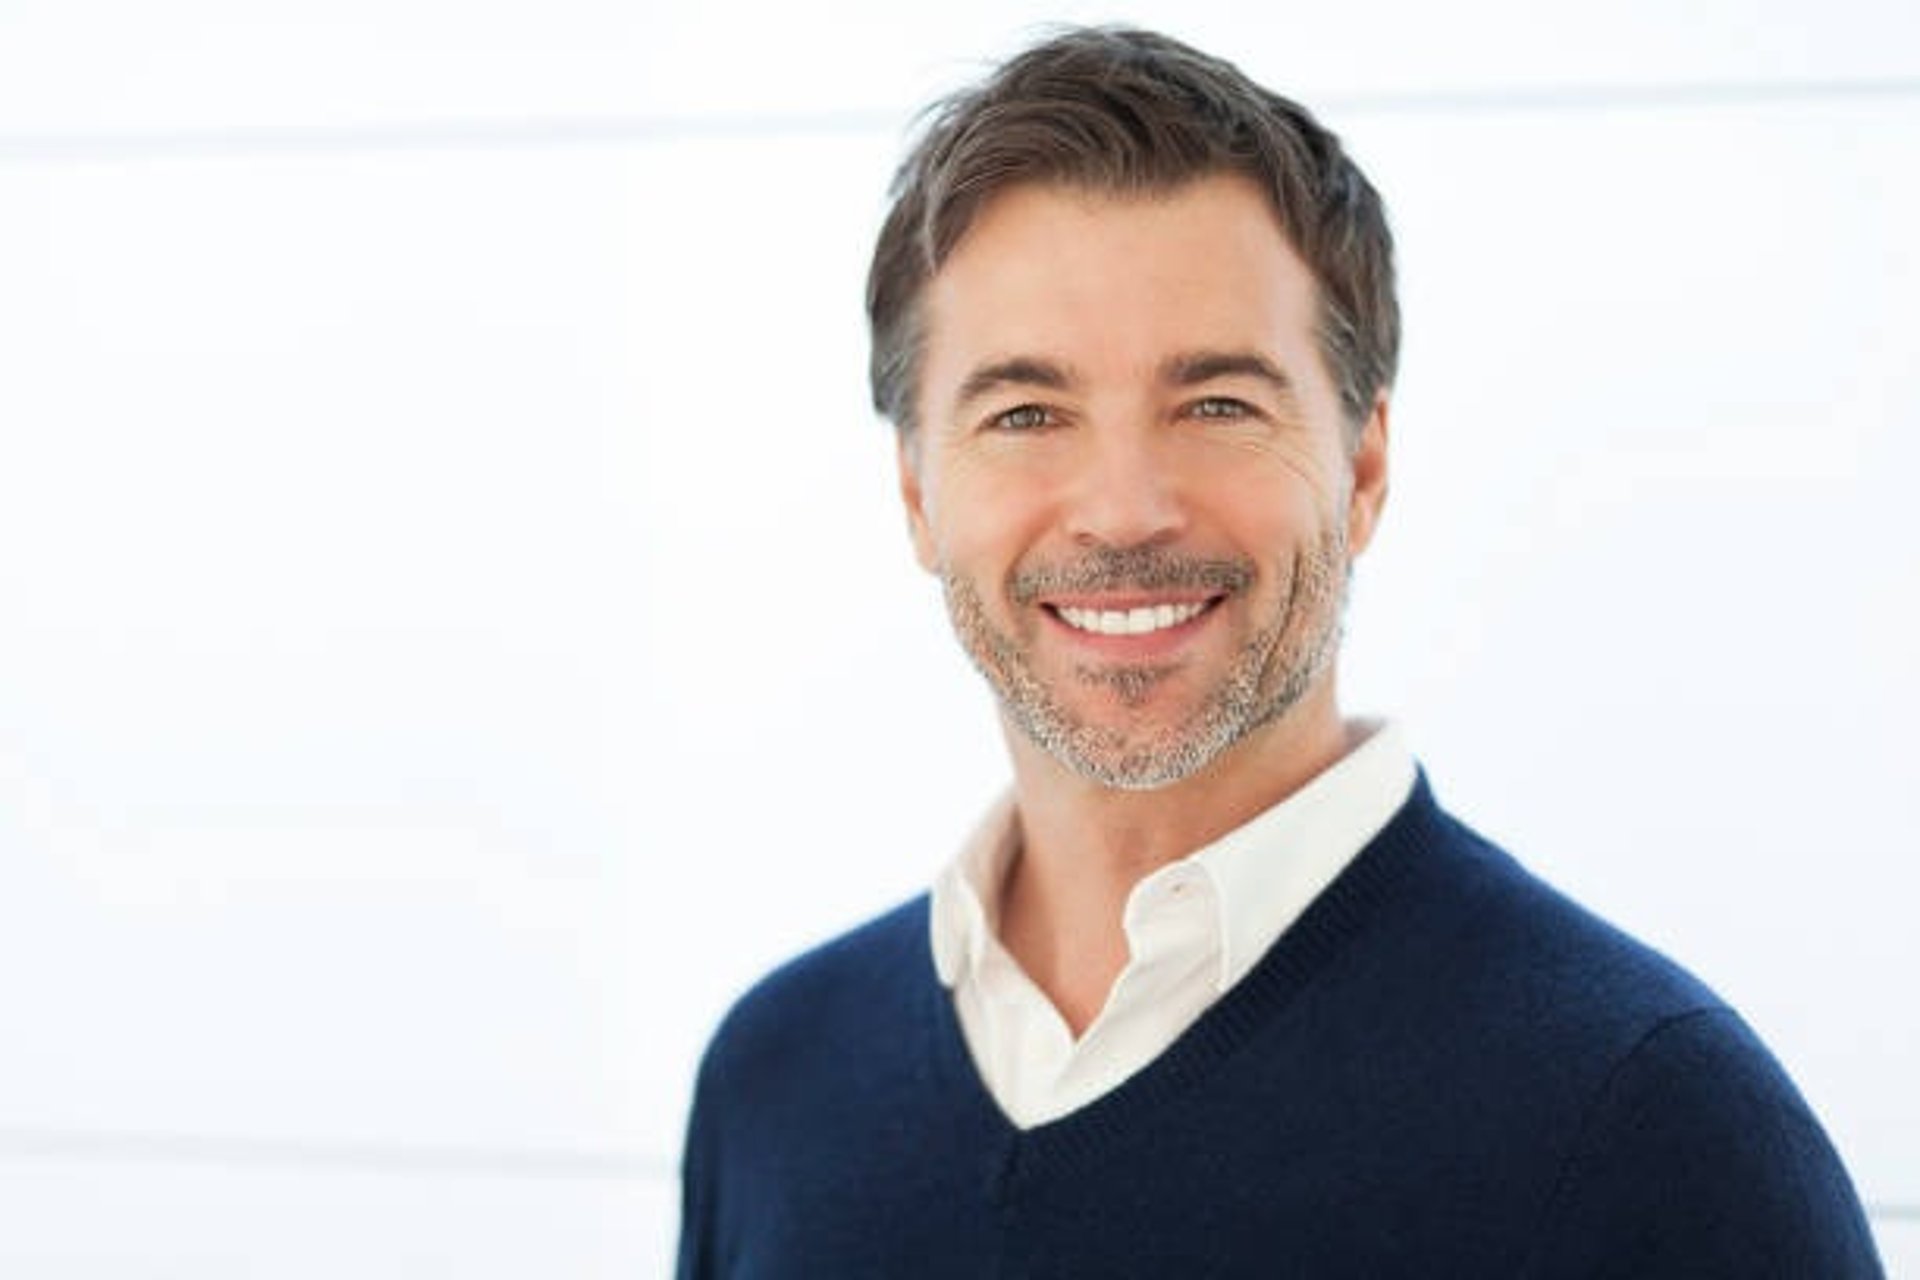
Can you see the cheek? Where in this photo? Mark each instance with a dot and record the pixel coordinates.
(985, 520)
(1276, 513)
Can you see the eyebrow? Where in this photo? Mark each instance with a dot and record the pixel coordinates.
(1017, 371)
(1192, 368)
(1186, 369)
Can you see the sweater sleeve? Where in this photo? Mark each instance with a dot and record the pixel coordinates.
(1699, 1159)
(696, 1260)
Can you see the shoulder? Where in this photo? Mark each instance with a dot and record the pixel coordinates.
(1500, 941)
(1698, 1157)
(790, 1073)
(1435, 936)
(804, 1054)
(869, 975)
(1680, 1142)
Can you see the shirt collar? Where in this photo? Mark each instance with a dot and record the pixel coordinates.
(1264, 873)
(962, 922)
(1267, 871)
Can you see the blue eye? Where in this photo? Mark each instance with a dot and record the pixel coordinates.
(1026, 417)
(1220, 407)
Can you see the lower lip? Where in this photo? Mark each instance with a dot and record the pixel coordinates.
(1160, 643)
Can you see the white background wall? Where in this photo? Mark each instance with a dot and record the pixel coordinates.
(455, 628)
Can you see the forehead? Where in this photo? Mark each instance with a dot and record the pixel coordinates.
(1116, 282)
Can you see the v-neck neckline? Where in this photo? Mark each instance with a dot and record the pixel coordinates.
(1343, 910)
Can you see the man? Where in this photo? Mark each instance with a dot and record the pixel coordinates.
(1219, 990)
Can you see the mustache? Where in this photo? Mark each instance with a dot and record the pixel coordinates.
(1130, 569)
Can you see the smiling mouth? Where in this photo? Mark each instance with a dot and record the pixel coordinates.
(1138, 621)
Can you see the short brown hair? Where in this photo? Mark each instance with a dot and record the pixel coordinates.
(1117, 109)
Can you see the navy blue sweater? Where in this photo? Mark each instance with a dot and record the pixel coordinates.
(1442, 1069)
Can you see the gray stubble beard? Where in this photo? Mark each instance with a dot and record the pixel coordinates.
(1273, 671)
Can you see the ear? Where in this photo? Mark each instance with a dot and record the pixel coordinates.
(1369, 464)
(913, 498)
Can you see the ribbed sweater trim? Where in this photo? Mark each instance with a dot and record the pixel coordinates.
(1341, 912)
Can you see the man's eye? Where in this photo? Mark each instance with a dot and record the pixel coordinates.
(1026, 417)
(1220, 407)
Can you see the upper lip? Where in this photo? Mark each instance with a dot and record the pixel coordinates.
(1120, 602)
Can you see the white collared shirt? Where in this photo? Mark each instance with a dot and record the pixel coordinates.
(1194, 928)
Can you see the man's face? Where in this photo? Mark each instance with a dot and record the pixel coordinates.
(1132, 474)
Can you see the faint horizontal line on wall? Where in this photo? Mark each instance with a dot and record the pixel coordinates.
(315, 1154)
(1601, 97)
(449, 135)
(617, 131)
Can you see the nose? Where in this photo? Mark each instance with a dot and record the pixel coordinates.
(1126, 492)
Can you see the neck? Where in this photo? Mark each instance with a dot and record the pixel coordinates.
(1084, 846)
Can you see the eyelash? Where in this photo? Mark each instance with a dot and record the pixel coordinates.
(1032, 417)
(1220, 407)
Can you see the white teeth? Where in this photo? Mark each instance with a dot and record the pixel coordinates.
(1129, 622)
